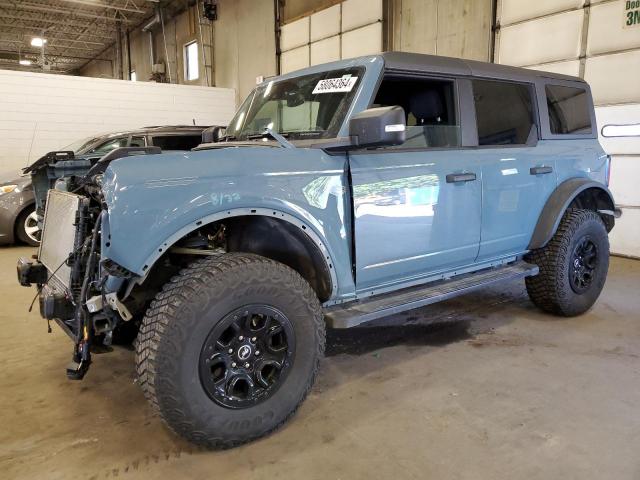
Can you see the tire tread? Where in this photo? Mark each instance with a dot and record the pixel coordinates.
(165, 311)
(547, 290)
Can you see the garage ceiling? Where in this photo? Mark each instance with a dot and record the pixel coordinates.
(76, 30)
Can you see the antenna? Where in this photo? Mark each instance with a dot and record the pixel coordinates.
(33, 137)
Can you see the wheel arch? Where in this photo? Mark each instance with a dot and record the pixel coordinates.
(578, 193)
(273, 234)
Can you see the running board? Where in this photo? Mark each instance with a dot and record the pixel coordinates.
(372, 308)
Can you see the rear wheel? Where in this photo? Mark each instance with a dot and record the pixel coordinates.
(573, 265)
(27, 229)
(230, 348)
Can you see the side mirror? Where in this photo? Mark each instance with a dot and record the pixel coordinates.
(378, 127)
(213, 134)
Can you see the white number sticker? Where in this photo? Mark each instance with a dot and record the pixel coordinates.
(335, 85)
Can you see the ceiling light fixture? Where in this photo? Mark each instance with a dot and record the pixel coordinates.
(38, 42)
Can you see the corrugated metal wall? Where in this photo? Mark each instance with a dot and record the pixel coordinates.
(453, 28)
(590, 39)
(42, 112)
(349, 29)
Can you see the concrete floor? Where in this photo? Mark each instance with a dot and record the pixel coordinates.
(480, 387)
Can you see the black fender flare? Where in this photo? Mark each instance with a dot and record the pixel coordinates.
(558, 202)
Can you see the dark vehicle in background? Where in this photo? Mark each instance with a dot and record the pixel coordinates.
(18, 218)
(177, 137)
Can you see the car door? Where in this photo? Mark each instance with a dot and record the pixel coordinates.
(416, 206)
(517, 175)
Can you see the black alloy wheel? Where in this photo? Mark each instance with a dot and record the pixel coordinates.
(584, 262)
(247, 356)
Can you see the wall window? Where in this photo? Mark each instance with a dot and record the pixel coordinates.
(191, 61)
(504, 113)
(429, 106)
(133, 76)
(630, 130)
(569, 110)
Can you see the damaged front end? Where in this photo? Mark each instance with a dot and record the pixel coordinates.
(68, 274)
(77, 288)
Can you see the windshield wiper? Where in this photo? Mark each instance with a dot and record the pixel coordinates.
(278, 137)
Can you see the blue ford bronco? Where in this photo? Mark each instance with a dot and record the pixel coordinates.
(337, 195)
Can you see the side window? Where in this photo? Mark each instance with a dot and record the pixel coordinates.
(137, 142)
(430, 109)
(109, 145)
(504, 113)
(569, 110)
(177, 142)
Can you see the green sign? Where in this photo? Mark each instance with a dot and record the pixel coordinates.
(631, 13)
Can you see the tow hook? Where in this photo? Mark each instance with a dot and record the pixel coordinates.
(77, 369)
(81, 360)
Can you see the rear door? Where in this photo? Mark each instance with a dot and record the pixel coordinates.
(416, 206)
(517, 174)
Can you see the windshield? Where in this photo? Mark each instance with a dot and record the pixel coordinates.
(309, 106)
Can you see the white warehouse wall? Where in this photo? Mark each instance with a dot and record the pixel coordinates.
(41, 112)
(590, 39)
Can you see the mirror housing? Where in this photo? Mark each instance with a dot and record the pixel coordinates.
(213, 134)
(378, 127)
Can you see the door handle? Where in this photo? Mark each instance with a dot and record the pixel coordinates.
(460, 177)
(540, 170)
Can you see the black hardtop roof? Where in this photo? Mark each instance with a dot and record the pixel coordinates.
(418, 62)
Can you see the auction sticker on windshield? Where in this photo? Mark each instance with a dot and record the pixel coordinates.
(335, 85)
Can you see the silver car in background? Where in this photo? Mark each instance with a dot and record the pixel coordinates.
(18, 221)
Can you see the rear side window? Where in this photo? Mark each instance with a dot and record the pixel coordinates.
(137, 142)
(109, 145)
(504, 113)
(177, 142)
(569, 110)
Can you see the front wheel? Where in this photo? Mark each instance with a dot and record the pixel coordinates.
(230, 348)
(27, 229)
(573, 265)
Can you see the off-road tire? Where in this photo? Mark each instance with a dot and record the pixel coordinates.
(551, 289)
(173, 333)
